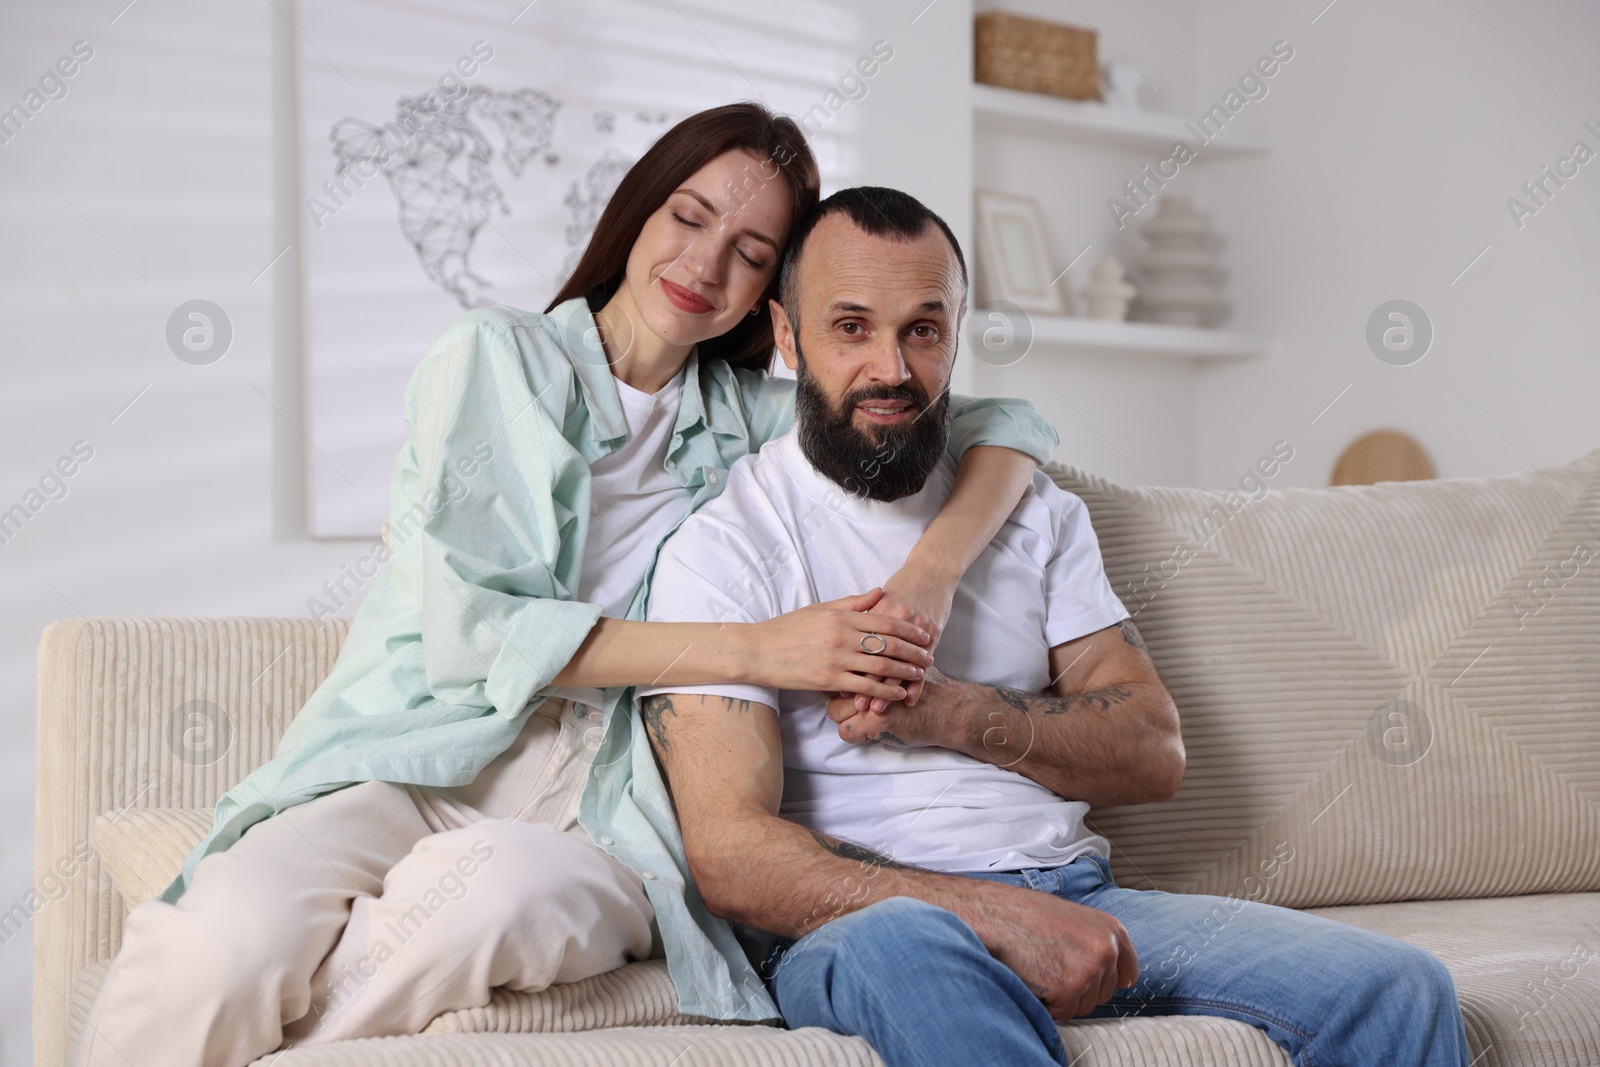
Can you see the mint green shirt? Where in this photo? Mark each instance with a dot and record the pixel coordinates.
(489, 509)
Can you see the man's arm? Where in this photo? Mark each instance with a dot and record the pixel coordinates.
(1106, 732)
(724, 765)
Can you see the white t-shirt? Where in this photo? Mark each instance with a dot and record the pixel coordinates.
(782, 536)
(633, 501)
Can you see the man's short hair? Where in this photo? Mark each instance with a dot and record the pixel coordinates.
(875, 210)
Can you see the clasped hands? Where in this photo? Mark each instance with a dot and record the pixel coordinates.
(923, 599)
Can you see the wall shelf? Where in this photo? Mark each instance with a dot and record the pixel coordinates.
(1036, 114)
(1064, 332)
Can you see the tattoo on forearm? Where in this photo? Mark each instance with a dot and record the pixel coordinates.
(849, 850)
(1093, 700)
(1131, 634)
(1016, 698)
(655, 710)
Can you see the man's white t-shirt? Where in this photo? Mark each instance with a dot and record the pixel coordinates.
(782, 536)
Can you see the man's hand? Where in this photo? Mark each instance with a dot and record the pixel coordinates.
(1106, 733)
(724, 764)
(936, 719)
(1074, 958)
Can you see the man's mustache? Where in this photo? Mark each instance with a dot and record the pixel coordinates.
(886, 392)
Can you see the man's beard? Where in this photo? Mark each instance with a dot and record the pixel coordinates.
(897, 464)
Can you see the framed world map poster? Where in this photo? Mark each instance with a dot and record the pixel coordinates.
(456, 155)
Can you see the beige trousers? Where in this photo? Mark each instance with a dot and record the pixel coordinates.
(369, 911)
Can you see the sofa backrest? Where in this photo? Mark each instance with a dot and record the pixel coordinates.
(1388, 692)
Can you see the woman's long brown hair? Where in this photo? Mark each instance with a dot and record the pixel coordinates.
(681, 151)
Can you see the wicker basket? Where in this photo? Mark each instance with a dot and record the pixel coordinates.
(1040, 57)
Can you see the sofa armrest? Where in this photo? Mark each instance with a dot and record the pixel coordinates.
(147, 713)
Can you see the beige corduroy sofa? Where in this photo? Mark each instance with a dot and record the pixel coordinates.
(1390, 699)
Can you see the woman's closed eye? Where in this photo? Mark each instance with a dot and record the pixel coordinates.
(753, 262)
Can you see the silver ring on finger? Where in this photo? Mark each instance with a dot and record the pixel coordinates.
(882, 644)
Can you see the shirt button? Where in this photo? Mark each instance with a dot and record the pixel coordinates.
(711, 476)
(597, 772)
(605, 840)
(648, 874)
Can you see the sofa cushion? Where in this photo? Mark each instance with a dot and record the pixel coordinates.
(540, 1030)
(636, 994)
(1189, 1042)
(692, 1046)
(143, 848)
(1527, 970)
(1396, 685)
(80, 999)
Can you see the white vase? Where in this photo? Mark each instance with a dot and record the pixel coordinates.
(1119, 84)
(1108, 293)
(1180, 274)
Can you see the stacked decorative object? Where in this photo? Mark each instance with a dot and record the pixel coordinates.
(1181, 274)
(1108, 293)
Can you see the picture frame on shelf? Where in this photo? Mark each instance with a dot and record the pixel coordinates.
(1014, 262)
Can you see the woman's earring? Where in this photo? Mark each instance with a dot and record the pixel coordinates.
(756, 310)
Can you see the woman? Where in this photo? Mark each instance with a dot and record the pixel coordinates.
(423, 844)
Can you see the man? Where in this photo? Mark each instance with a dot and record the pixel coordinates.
(924, 876)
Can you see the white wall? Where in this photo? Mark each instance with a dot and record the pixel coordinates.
(161, 152)
(929, 78)
(1399, 132)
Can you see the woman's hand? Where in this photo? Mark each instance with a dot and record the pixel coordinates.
(819, 647)
(922, 597)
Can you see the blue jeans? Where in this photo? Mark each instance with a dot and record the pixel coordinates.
(915, 981)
